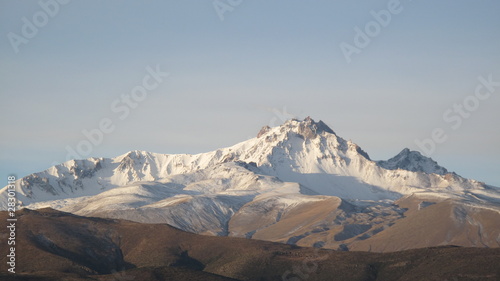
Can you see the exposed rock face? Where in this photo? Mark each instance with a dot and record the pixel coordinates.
(309, 128)
(264, 130)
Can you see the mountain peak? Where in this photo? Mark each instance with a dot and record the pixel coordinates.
(320, 126)
(308, 128)
(406, 151)
(413, 161)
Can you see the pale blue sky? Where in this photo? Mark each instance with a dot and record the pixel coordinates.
(228, 77)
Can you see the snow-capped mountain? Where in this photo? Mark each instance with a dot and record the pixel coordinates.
(413, 161)
(296, 183)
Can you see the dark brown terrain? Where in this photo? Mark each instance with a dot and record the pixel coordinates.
(52, 245)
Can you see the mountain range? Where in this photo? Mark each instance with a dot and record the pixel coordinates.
(298, 183)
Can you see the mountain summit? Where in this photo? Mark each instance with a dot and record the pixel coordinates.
(413, 161)
(309, 129)
(298, 183)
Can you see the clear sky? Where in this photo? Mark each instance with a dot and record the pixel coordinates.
(237, 65)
